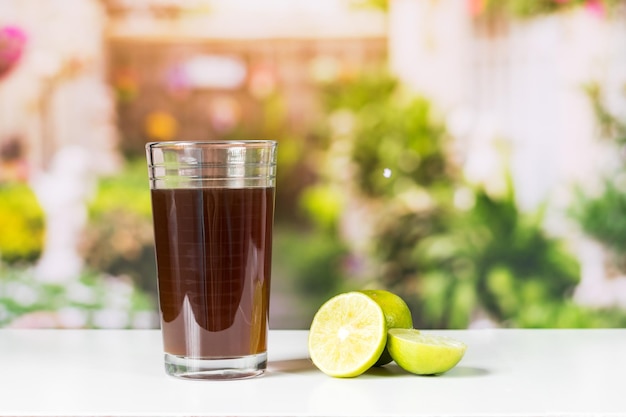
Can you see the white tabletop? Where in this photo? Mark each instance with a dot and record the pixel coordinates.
(504, 373)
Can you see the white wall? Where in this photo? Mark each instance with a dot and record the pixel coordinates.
(57, 95)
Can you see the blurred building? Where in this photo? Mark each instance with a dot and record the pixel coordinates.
(199, 70)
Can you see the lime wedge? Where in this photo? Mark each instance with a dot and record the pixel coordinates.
(397, 315)
(348, 335)
(424, 354)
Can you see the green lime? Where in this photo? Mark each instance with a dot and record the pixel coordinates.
(397, 315)
(424, 354)
(348, 335)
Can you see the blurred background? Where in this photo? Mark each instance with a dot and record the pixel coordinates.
(469, 155)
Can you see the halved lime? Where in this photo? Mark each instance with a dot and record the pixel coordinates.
(424, 354)
(348, 335)
(397, 315)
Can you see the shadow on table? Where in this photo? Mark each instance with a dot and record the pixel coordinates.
(392, 370)
(291, 366)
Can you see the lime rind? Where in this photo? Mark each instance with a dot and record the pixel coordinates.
(397, 312)
(348, 334)
(397, 315)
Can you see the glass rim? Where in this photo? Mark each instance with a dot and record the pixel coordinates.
(216, 143)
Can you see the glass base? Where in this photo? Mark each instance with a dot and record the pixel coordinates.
(216, 369)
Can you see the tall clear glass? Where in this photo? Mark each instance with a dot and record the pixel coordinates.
(213, 213)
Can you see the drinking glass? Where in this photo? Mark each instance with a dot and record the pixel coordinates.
(213, 213)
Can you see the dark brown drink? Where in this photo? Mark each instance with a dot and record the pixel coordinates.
(213, 249)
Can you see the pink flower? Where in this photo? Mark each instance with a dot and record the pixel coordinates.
(595, 7)
(12, 42)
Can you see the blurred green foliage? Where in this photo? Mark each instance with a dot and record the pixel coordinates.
(525, 8)
(612, 128)
(535, 8)
(401, 138)
(119, 237)
(602, 215)
(126, 190)
(495, 258)
(308, 264)
(323, 205)
(515, 8)
(21, 224)
(452, 263)
(92, 301)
